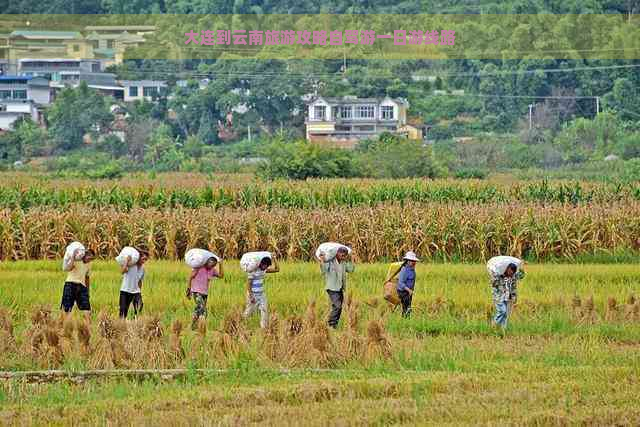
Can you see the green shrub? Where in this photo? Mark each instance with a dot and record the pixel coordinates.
(394, 157)
(471, 173)
(629, 146)
(302, 160)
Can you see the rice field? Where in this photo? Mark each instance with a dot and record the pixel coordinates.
(569, 356)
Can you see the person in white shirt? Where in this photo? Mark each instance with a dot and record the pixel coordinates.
(131, 289)
(256, 298)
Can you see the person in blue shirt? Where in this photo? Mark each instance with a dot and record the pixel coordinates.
(407, 282)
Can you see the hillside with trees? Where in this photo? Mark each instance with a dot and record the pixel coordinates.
(483, 115)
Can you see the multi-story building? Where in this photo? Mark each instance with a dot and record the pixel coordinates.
(51, 67)
(111, 41)
(21, 88)
(4, 53)
(104, 83)
(137, 90)
(12, 110)
(102, 45)
(348, 120)
(45, 45)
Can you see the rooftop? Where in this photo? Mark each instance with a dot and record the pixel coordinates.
(142, 83)
(62, 35)
(355, 100)
(120, 28)
(124, 36)
(5, 77)
(51, 60)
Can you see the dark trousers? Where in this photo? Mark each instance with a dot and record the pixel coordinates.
(75, 293)
(405, 299)
(336, 298)
(126, 299)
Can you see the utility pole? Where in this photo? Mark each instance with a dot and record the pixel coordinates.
(597, 105)
(344, 63)
(530, 116)
(249, 132)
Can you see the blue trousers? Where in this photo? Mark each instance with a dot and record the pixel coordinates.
(503, 310)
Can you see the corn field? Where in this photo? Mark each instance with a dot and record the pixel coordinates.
(313, 194)
(436, 231)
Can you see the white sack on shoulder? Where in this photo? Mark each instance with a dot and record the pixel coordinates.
(196, 258)
(251, 260)
(496, 266)
(330, 249)
(68, 259)
(128, 251)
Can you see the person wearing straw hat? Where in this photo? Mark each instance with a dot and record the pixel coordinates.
(407, 282)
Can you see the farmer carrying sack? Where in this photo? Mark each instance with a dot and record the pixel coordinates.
(497, 265)
(76, 248)
(251, 260)
(130, 252)
(196, 258)
(329, 250)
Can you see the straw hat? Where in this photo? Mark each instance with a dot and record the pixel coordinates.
(411, 256)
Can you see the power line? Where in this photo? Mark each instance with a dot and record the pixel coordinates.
(479, 95)
(628, 112)
(543, 70)
(260, 48)
(332, 75)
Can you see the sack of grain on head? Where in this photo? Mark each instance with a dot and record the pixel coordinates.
(496, 266)
(251, 260)
(128, 251)
(329, 250)
(76, 248)
(196, 258)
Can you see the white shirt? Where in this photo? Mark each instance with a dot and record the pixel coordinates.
(257, 280)
(131, 279)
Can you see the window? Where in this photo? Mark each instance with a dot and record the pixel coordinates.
(14, 81)
(387, 112)
(320, 112)
(95, 68)
(365, 128)
(346, 112)
(95, 44)
(76, 48)
(5, 94)
(150, 91)
(364, 112)
(334, 112)
(19, 94)
(109, 44)
(133, 91)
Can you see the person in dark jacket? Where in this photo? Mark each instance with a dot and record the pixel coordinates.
(407, 282)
